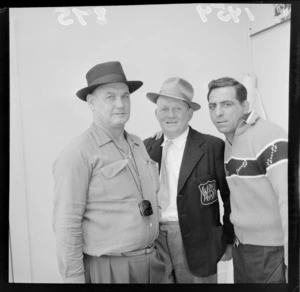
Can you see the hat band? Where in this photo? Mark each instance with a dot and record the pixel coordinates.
(110, 78)
(177, 95)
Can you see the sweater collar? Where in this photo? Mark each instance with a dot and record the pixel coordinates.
(249, 120)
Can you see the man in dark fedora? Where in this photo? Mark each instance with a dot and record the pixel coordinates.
(191, 239)
(105, 214)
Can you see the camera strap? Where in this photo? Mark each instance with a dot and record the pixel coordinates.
(131, 165)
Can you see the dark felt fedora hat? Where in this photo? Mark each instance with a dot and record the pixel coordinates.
(109, 72)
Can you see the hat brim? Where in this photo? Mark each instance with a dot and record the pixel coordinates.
(132, 86)
(153, 96)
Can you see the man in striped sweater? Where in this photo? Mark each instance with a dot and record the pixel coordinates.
(256, 172)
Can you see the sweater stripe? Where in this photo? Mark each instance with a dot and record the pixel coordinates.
(271, 155)
(270, 144)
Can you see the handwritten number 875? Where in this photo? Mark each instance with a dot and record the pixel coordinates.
(65, 12)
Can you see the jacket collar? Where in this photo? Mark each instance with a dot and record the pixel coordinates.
(193, 152)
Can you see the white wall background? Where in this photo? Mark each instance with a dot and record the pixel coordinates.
(270, 64)
(153, 42)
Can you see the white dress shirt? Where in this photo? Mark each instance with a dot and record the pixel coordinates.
(174, 158)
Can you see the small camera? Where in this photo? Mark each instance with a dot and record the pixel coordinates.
(145, 208)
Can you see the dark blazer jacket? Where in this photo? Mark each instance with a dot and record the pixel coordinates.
(201, 175)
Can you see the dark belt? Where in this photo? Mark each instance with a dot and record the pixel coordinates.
(147, 250)
(174, 223)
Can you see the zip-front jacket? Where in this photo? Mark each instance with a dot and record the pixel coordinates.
(257, 173)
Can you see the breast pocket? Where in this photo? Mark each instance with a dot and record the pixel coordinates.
(207, 187)
(112, 169)
(111, 182)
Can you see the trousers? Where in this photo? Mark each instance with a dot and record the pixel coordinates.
(258, 264)
(171, 251)
(143, 269)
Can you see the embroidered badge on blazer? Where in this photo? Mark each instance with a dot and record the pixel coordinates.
(208, 192)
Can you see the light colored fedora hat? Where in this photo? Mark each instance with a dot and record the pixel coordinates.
(109, 72)
(178, 88)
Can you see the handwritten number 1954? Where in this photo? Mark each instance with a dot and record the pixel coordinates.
(64, 17)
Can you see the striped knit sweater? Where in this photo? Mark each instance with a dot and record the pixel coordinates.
(256, 172)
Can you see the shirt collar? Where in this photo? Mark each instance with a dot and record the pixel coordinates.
(102, 136)
(132, 138)
(179, 141)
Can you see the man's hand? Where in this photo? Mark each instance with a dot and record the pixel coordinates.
(157, 135)
(227, 256)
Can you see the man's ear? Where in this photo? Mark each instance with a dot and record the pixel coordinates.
(246, 106)
(90, 101)
(191, 112)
